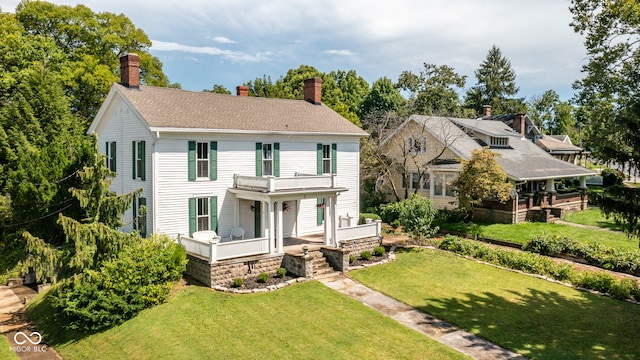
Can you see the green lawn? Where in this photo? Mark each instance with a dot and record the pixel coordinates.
(523, 232)
(537, 318)
(5, 349)
(592, 217)
(302, 321)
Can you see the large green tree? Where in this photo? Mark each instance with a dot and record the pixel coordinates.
(550, 114)
(496, 86)
(481, 178)
(609, 94)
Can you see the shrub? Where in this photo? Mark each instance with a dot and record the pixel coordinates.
(281, 272)
(352, 259)
(263, 277)
(141, 275)
(624, 289)
(365, 255)
(415, 215)
(379, 251)
(611, 177)
(238, 282)
(364, 216)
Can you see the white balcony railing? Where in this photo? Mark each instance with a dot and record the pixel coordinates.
(213, 250)
(270, 184)
(371, 229)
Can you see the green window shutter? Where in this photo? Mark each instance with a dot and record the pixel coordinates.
(319, 158)
(191, 157)
(213, 160)
(106, 152)
(258, 159)
(134, 214)
(113, 156)
(320, 212)
(213, 213)
(193, 225)
(143, 168)
(257, 232)
(334, 156)
(143, 221)
(133, 159)
(276, 159)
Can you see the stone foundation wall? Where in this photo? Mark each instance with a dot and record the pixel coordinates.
(337, 258)
(357, 246)
(225, 271)
(298, 265)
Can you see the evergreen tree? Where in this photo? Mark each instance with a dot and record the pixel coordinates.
(496, 86)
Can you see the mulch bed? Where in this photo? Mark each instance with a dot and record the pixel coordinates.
(252, 283)
(374, 260)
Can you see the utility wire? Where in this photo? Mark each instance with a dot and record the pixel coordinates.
(42, 184)
(40, 218)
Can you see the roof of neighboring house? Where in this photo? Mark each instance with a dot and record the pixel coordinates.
(524, 160)
(507, 119)
(557, 144)
(174, 109)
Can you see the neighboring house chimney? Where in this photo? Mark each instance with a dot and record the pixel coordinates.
(130, 71)
(242, 90)
(313, 90)
(519, 123)
(486, 109)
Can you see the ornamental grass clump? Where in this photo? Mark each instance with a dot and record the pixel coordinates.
(263, 277)
(379, 251)
(365, 255)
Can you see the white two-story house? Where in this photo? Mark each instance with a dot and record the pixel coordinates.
(234, 168)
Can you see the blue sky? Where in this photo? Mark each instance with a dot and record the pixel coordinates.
(207, 42)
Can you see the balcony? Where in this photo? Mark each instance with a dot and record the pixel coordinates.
(274, 184)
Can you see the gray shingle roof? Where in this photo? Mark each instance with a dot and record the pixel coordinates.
(180, 109)
(523, 161)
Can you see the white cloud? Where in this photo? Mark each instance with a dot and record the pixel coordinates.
(340, 52)
(208, 50)
(223, 40)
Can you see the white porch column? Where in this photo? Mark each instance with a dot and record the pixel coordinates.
(550, 186)
(583, 182)
(334, 220)
(236, 215)
(327, 221)
(271, 222)
(279, 239)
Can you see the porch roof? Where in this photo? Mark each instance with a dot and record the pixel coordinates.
(288, 194)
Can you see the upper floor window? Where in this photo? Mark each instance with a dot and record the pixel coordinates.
(202, 160)
(326, 159)
(417, 145)
(110, 153)
(267, 159)
(499, 141)
(138, 152)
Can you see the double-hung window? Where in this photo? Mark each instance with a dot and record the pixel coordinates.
(267, 159)
(326, 159)
(417, 145)
(202, 215)
(110, 153)
(138, 154)
(202, 159)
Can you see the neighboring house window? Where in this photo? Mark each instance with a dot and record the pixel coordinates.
(203, 214)
(499, 141)
(268, 159)
(425, 184)
(138, 152)
(203, 160)
(140, 215)
(416, 181)
(443, 185)
(449, 189)
(110, 152)
(414, 178)
(417, 145)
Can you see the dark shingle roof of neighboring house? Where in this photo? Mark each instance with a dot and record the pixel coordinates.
(167, 108)
(524, 160)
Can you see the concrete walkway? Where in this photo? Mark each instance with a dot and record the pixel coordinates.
(15, 326)
(439, 330)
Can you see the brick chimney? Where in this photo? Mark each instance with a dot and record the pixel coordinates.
(130, 71)
(486, 110)
(519, 123)
(313, 90)
(242, 90)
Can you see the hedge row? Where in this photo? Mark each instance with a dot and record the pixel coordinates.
(541, 265)
(623, 260)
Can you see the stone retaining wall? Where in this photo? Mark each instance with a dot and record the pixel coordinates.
(225, 271)
(337, 258)
(357, 246)
(298, 265)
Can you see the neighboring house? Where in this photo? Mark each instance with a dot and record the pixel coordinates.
(434, 147)
(231, 176)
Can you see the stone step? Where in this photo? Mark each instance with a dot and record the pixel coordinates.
(326, 275)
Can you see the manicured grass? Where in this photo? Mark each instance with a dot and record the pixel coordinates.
(535, 317)
(523, 232)
(592, 217)
(5, 350)
(302, 321)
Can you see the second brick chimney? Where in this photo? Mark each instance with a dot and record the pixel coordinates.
(242, 90)
(130, 71)
(313, 90)
(519, 123)
(486, 110)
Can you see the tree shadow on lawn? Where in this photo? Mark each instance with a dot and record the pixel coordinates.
(547, 325)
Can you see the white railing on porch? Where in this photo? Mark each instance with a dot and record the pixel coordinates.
(213, 250)
(284, 183)
(371, 229)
